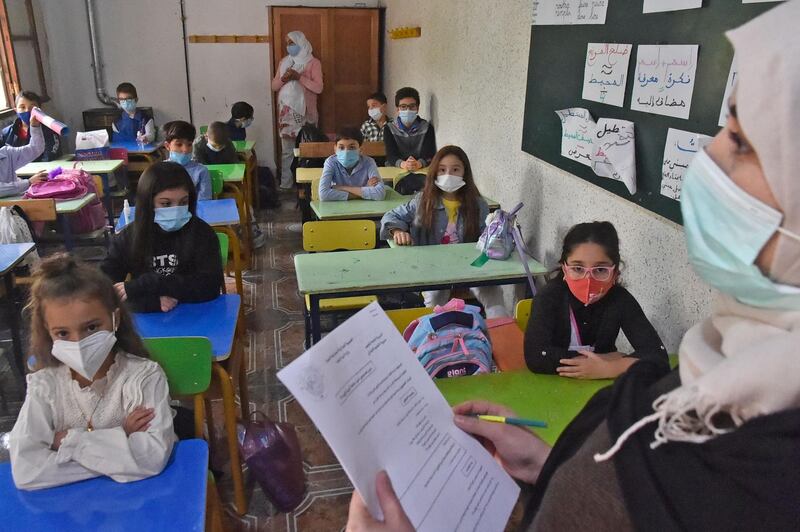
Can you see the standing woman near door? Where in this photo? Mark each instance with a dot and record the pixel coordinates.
(297, 81)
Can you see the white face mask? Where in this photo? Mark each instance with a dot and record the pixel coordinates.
(87, 355)
(449, 182)
(375, 113)
(215, 148)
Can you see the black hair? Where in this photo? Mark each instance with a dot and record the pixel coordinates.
(377, 96)
(178, 129)
(29, 95)
(601, 233)
(220, 132)
(350, 132)
(242, 110)
(127, 88)
(406, 92)
(156, 178)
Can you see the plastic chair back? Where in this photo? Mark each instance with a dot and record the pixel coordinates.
(216, 182)
(315, 188)
(336, 235)
(98, 185)
(401, 317)
(224, 243)
(203, 130)
(185, 360)
(522, 312)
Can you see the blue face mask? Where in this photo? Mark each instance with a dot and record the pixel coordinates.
(293, 49)
(181, 158)
(408, 116)
(129, 106)
(726, 228)
(172, 218)
(348, 158)
(25, 117)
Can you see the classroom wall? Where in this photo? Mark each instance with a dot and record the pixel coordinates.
(471, 70)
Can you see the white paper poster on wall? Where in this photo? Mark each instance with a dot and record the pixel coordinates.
(566, 12)
(577, 134)
(679, 150)
(657, 6)
(724, 110)
(605, 73)
(759, 1)
(664, 80)
(614, 155)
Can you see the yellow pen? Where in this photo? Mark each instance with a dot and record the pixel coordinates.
(512, 420)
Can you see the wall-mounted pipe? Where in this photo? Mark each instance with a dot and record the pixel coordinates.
(97, 64)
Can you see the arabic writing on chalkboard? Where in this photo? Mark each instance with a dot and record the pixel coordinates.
(563, 12)
(607, 147)
(679, 150)
(664, 79)
(605, 73)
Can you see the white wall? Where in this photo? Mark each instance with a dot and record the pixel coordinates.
(470, 65)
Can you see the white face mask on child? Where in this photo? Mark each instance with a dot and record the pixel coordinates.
(87, 355)
(449, 182)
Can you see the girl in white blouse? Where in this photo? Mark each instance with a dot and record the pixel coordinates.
(97, 405)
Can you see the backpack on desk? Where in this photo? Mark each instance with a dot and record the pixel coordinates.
(451, 342)
(68, 184)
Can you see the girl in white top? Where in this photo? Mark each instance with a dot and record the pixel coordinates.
(97, 405)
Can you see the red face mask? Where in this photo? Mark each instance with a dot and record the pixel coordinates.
(588, 290)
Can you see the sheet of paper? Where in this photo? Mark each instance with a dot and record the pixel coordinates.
(565, 12)
(759, 1)
(664, 80)
(605, 73)
(577, 134)
(679, 150)
(724, 110)
(614, 155)
(656, 6)
(378, 409)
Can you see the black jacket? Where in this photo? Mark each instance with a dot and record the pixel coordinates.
(547, 337)
(52, 142)
(186, 265)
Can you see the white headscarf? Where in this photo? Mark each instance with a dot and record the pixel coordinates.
(292, 94)
(745, 361)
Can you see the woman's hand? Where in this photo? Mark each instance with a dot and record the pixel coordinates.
(138, 420)
(394, 517)
(57, 439)
(120, 289)
(402, 238)
(168, 303)
(518, 450)
(39, 177)
(594, 366)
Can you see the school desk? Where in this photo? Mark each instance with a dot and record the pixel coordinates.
(134, 148)
(387, 173)
(244, 146)
(244, 149)
(400, 269)
(102, 168)
(10, 256)
(216, 213)
(63, 209)
(550, 398)
(216, 320)
(173, 500)
(233, 175)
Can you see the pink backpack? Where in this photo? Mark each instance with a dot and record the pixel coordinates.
(69, 184)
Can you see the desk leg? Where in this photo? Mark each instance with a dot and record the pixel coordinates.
(316, 329)
(16, 341)
(107, 199)
(229, 406)
(66, 230)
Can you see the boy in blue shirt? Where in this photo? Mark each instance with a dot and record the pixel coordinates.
(348, 174)
(132, 125)
(178, 139)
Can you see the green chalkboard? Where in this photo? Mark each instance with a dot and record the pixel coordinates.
(555, 81)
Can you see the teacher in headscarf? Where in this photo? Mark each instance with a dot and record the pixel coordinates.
(714, 445)
(298, 81)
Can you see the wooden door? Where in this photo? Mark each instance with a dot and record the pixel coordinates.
(346, 41)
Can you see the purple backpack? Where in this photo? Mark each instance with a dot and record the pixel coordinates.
(499, 239)
(71, 183)
(451, 342)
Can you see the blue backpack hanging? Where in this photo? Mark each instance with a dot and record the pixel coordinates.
(451, 342)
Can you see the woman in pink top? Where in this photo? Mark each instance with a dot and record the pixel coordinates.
(298, 81)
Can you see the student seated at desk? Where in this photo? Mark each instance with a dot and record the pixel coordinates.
(172, 255)
(132, 125)
(449, 210)
(96, 405)
(410, 140)
(178, 139)
(577, 317)
(12, 159)
(348, 174)
(215, 147)
(372, 128)
(18, 133)
(241, 118)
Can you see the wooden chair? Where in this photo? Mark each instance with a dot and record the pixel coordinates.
(522, 313)
(337, 235)
(316, 150)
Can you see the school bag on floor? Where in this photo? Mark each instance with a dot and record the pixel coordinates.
(451, 342)
(499, 239)
(73, 183)
(15, 229)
